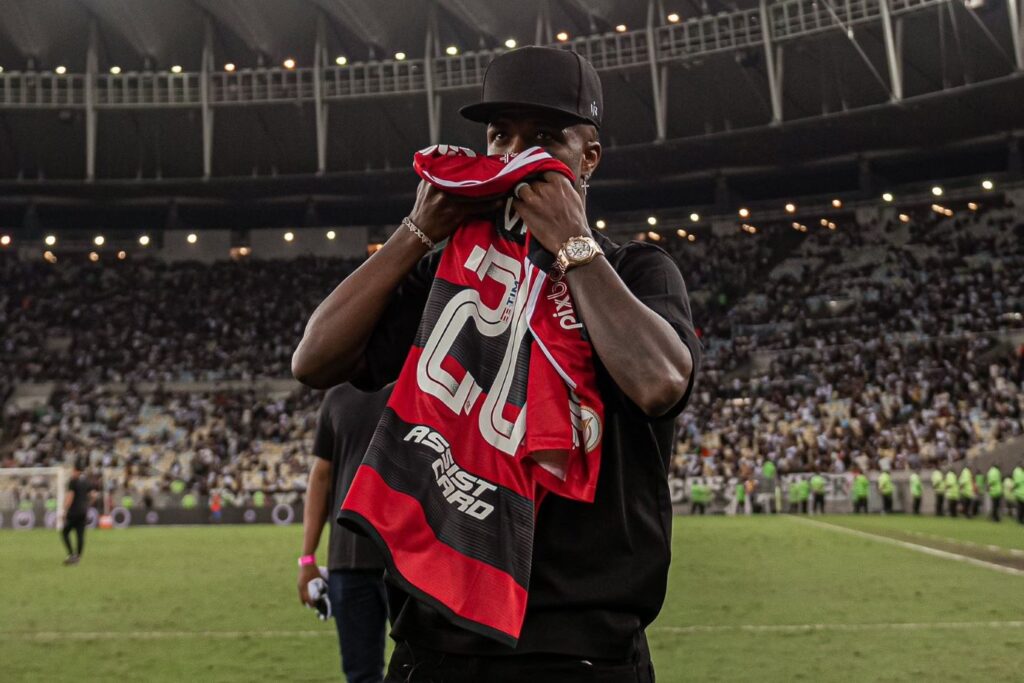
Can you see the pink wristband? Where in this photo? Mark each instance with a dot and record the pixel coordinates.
(307, 560)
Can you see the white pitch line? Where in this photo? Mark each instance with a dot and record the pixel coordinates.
(946, 539)
(808, 628)
(911, 546)
(157, 635)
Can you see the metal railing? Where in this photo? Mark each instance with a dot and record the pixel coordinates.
(692, 39)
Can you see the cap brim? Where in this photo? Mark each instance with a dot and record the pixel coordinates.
(484, 112)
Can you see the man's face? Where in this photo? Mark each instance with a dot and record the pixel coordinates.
(574, 144)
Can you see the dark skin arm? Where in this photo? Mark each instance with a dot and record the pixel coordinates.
(332, 346)
(314, 516)
(652, 368)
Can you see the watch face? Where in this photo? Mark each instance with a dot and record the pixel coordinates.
(577, 250)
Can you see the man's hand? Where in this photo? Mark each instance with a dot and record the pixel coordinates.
(552, 210)
(307, 574)
(437, 213)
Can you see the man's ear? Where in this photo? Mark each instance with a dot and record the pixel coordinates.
(591, 156)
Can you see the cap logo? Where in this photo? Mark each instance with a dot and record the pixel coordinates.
(593, 108)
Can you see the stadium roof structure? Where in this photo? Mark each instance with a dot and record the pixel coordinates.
(310, 104)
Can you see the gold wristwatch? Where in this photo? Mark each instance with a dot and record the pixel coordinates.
(577, 251)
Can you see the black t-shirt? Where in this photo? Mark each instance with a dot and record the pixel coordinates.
(344, 427)
(80, 488)
(600, 570)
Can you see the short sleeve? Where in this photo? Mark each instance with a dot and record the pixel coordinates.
(654, 278)
(323, 441)
(389, 344)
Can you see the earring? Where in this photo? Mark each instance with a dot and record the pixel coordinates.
(585, 184)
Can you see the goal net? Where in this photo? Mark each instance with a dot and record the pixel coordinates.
(32, 497)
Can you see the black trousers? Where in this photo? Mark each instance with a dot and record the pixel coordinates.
(952, 507)
(413, 664)
(860, 505)
(1020, 511)
(76, 524)
(697, 507)
(917, 505)
(997, 502)
(803, 507)
(819, 503)
(939, 499)
(968, 507)
(887, 502)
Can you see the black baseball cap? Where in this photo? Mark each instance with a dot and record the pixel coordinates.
(542, 78)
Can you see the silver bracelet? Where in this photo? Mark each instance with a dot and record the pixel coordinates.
(407, 222)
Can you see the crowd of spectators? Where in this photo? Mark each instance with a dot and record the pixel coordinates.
(880, 345)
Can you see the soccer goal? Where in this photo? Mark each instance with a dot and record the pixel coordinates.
(32, 497)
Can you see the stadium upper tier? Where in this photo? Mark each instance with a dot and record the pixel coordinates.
(112, 91)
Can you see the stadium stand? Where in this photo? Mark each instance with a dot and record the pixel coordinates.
(884, 345)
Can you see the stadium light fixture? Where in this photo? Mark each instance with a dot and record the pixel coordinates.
(837, 203)
(831, 225)
(673, 17)
(289, 63)
(562, 36)
(93, 256)
(176, 69)
(654, 236)
(987, 184)
(399, 56)
(289, 236)
(192, 238)
(744, 213)
(341, 60)
(510, 43)
(904, 218)
(824, 222)
(229, 67)
(331, 234)
(790, 208)
(937, 191)
(122, 255)
(651, 220)
(115, 70)
(144, 240)
(887, 196)
(600, 224)
(5, 240)
(49, 257)
(244, 251)
(50, 240)
(691, 237)
(98, 240)
(621, 28)
(1, 69)
(694, 217)
(451, 50)
(61, 70)
(972, 206)
(681, 232)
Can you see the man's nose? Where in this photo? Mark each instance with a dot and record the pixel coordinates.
(519, 144)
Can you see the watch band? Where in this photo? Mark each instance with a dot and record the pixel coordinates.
(307, 560)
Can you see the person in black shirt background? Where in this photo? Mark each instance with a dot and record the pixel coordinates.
(599, 570)
(356, 588)
(79, 496)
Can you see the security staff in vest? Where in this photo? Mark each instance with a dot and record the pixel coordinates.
(967, 493)
(1009, 497)
(995, 491)
(818, 493)
(1018, 491)
(885, 489)
(700, 496)
(939, 487)
(915, 491)
(861, 486)
(590, 600)
(952, 492)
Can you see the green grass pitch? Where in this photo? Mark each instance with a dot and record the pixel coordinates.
(750, 599)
